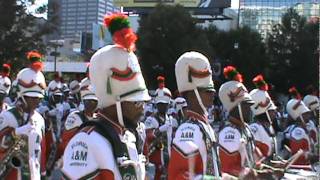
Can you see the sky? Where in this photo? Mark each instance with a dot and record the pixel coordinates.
(234, 5)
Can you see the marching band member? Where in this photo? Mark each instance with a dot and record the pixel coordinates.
(53, 112)
(312, 102)
(5, 85)
(74, 97)
(263, 110)
(54, 84)
(76, 118)
(109, 146)
(237, 149)
(298, 134)
(22, 128)
(181, 108)
(159, 130)
(193, 151)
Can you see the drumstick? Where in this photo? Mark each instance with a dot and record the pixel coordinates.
(293, 159)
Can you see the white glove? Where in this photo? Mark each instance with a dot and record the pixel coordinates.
(24, 130)
(164, 127)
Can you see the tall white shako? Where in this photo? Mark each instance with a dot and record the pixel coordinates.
(193, 149)
(116, 77)
(312, 102)
(234, 144)
(298, 136)
(31, 83)
(5, 86)
(55, 84)
(264, 135)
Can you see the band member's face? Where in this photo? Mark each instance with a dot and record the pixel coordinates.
(207, 97)
(66, 94)
(246, 111)
(90, 105)
(273, 114)
(162, 107)
(132, 111)
(32, 103)
(306, 116)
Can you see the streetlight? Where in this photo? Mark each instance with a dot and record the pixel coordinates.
(55, 44)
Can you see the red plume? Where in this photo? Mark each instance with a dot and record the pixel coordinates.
(37, 66)
(125, 38)
(109, 18)
(294, 92)
(122, 34)
(260, 83)
(34, 54)
(6, 68)
(161, 83)
(231, 73)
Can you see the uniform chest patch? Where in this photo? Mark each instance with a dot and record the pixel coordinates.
(187, 133)
(79, 154)
(254, 129)
(229, 136)
(298, 133)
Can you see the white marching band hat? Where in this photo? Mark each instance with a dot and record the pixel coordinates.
(163, 95)
(261, 97)
(180, 103)
(114, 70)
(193, 72)
(27, 76)
(5, 85)
(312, 102)
(233, 92)
(74, 87)
(295, 108)
(86, 91)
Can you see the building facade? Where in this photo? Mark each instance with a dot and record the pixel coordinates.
(77, 16)
(261, 15)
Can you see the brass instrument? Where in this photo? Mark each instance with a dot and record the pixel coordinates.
(15, 156)
(157, 143)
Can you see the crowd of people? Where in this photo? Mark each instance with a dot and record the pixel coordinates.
(110, 126)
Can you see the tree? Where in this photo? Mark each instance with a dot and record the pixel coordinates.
(165, 34)
(20, 32)
(242, 48)
(292, 46)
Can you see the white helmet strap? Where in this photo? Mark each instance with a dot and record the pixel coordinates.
(200, 102)
(119, 112)
(240, 113)
(268, 116)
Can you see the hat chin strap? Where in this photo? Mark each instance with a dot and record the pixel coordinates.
(268, 116)
(240, 113)
(119, 112)
(200, 102)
